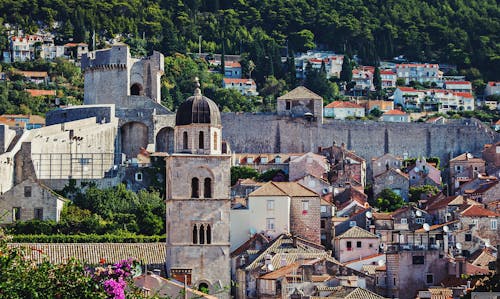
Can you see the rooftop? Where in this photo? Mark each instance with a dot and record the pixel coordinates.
(300, 93)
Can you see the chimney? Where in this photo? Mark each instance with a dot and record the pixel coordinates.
(460, 266)
(294, 239)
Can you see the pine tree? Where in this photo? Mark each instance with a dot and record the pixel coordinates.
(346, 73)
(377, 80)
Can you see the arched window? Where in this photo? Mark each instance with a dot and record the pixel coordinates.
(195, 186)
(209, 234)
(185, 140)
(215, 141)
(202, 234)
(207, 188)
(195, 234)
(136, 89)
(201, 140)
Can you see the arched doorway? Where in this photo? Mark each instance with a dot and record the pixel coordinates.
(165, 140)
(134, 135)
(136, 89)
(203, 287)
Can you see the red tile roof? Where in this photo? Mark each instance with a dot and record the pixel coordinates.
(456, 82)
(395, 112)
(478, 211)
(238, 81)
(34, 74)
(41, 92)
(408, 89)
(343, 104)
(464, 95)
(403, 65)
(492, 83)
(232, 64)
(387, 72)
(75, 45)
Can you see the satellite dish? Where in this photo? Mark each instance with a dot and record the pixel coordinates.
(252, 231)
(382, 245)
(417, 169)
(459, 246)
(487, 243)
(270, 267)
(427, 227)
(419, 213)
(369, 214)
(446, 228)
(381, 262)
(325, 191)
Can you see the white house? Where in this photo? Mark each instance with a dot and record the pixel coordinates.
(389, 79)
(419, 72)
(333, 63)
(492, 88)
(396, 116)
(363, 77)
(342, 109)
(232, 69)
(458, 86)
(246, 87)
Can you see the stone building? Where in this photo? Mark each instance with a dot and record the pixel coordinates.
(30, 200)
(423, 173)
(112, 74)
(198, 199)
(392, 179)
(356, 243)
(465, 167)
(309, 163)
(383, 163)
(299, 102)
(346, 168)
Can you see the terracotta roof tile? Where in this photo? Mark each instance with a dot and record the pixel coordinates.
(41, 92)
(343, 104)
(478, 211)
(395, 112)
(357, 232)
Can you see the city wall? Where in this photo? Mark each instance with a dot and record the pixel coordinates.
(254, 133)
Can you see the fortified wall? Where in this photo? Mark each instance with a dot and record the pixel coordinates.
(260, 133)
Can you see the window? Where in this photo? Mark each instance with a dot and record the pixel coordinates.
(352, 223)
(429, 279)
(16, 214)
(277, 159)
(404, 221)
(493, 224)
(195, 186)
(84, 161)
(418, 259)
(419, 220)
(358, 244)
(185, 140)
(207, 188)
(323, 223)
(209, 234)
(270, 223)
(349, 245)
(305, 206)
(288, 105)
(195, 234)
(38, 213)
(201, 140)
(138, 176)
(201, 234)
(27, 191)
(468, 237)
(270, 205)
(323, 209)
(215, 141)
(370, 245)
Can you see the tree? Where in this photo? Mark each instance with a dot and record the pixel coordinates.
(416, 192)
(377, 80)
(388, 201)
(317, 82)
(346, 72)
(302, 41)
(242, 172)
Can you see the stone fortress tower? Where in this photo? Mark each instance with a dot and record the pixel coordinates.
(112, 74)
(197, 198)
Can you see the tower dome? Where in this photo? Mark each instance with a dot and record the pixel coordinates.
(198, 109)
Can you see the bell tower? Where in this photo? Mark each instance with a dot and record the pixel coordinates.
(197, 199)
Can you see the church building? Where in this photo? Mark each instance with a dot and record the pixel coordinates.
(197, 199)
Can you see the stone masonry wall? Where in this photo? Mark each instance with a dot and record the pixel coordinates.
(306, 224)
(254, 133)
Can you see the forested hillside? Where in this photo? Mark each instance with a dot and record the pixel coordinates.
(465, 33)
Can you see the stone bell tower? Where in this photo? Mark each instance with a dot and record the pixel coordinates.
(197, 199)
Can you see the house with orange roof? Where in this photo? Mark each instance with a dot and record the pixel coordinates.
(246, 87)
(389, 78)
(232, 69)
(343, 109)
(76, 50)
(356, 243)
(25, 121)
(381, 105)
(492, 88)
(481, 227)
(395, 115)
(465, 167)
(276, 208)
(423, 173)
(363, 79)
(458, 86)
(485, 190)
(418, 72)
(41, 92)
(22, 48)
(333, 63)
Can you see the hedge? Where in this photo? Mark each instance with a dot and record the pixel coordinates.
(86, 238)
